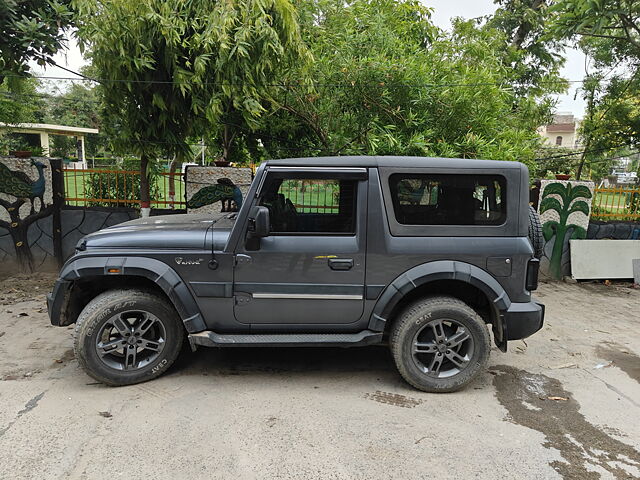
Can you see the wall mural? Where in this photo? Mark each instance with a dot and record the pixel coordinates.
(25, 196)
(206, 186)
(564, 209)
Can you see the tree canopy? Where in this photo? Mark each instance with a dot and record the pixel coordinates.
(170, 70)
(608, 31)
(31, 30)
(385, 80)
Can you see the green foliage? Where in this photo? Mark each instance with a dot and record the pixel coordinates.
(388, 82)
(120, 186)
(171, 70)
(80, 105)
(608, 31)
(534, 56)
(18, 101)
(553, 160)
(31, 30)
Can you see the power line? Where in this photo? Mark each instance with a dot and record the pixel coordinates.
(580, 152)
(348, 84)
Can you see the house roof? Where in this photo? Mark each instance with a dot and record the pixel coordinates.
(46, 128)
(561, 127)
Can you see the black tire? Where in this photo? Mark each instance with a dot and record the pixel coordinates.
(416, 324)
(152, 345)
(535, 232)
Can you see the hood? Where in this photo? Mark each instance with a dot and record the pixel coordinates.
(161, 232)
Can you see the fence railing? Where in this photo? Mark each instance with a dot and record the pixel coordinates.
(313, 196)
(120, 188)
(616, 203)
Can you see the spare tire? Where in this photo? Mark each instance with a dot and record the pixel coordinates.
(535, 232)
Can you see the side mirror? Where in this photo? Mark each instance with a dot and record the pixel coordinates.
(258, 226)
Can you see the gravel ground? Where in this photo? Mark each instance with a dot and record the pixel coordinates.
(565, 404)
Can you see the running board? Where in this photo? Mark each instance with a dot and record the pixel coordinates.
(213, 339)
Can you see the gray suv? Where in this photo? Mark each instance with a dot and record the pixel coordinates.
(421, 254)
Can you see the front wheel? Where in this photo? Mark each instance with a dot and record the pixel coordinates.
(440, 344)
(124, 337)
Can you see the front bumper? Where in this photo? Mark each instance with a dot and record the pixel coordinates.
(56, 300)
(523, 319)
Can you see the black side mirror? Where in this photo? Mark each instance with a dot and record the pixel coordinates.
(258, 226)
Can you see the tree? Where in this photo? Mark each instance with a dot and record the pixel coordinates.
(534, 57)
(387, 81)
(20, 104)
(31, 30)
(80, 105)
(614, 23)
(609, 32)
(170, 70)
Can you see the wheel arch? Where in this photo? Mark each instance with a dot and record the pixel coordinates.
(84, 278)
(459, 279)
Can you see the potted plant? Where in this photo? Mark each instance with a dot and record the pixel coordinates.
(21, 153)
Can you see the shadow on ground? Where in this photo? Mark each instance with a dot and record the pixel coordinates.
(247, 360)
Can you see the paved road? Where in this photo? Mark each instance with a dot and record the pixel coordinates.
(564, 405)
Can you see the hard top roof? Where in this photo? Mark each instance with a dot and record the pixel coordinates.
(393, 161)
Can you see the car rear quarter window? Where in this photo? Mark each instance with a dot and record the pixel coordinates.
(448, 199)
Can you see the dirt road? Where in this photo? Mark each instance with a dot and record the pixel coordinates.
(565, 404)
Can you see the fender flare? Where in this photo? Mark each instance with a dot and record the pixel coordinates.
(430, 272)
(158, 272)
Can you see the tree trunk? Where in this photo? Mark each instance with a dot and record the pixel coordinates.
(227, 141)
(582, 159)
(555, 262)
(145, 199)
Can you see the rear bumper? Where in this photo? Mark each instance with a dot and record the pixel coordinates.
(523, 319)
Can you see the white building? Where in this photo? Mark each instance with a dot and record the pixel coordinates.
(44, 130)
(563, 132)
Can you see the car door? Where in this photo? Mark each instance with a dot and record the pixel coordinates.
(310, 269)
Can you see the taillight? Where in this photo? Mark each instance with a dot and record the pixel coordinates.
(532, 274)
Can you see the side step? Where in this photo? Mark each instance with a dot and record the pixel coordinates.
(213, 339)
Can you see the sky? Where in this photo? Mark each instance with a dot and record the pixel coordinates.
(443, 11)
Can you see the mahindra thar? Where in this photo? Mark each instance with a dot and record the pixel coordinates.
(420, 254)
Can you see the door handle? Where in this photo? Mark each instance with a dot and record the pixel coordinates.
(341, 263)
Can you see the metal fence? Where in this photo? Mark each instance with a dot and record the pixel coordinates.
(121, 188)
(312, 196)
(616, 203)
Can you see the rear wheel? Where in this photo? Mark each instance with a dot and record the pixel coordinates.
(127, 336)
(440, 344)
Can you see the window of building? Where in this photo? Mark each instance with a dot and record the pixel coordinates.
(423, 199)
(558, 140)
(311, 205)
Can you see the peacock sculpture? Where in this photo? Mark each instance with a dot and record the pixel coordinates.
(19, 185)
(225, 192)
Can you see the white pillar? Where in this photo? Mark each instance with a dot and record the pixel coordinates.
(44, 143)
(80, 150)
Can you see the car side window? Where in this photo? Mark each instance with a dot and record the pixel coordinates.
(448, 199)
(308, 206)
